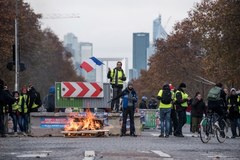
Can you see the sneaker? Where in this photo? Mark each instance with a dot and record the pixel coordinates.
(161, 136)
(216, 124)
(122, 134)
(222, 134)
(133, 135)
(15, 134)
(167, 136)
(233, 137)
(25, 134)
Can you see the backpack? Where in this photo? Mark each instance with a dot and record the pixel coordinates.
(166, 97)
(214, 94)
(38, 100)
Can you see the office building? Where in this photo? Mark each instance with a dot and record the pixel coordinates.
(140, 45)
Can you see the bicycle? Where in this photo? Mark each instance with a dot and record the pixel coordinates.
(208, 128)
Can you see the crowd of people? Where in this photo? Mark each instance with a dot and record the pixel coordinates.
(173, 104)
(18, 106)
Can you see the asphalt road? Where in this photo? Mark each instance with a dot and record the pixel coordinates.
(148, 146)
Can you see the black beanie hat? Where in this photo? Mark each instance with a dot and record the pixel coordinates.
(182, 85)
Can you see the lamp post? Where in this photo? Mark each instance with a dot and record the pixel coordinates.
(16, 50)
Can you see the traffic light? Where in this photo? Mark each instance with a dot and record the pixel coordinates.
(11, 65)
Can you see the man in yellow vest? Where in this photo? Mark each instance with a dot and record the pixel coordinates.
(165, 105)
(181, 102)
(117, 77)
(24, 110)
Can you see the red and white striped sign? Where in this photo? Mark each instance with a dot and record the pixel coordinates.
(82, 89)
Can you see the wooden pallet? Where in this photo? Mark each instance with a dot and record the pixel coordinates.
(86, 133)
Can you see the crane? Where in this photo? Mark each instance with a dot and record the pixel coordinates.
(60, 15)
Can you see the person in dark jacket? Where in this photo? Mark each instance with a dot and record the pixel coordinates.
(233, 105)
(198, 109)
(152, 103)
(143, 103)
(49, 100)
(129, 99)
(218, 106)
(6, 99)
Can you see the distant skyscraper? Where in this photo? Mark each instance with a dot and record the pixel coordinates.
(86, 51)
(158, 30)
(158, 33)
(140, 45)
(133, 74)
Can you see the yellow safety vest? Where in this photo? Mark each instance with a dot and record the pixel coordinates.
(184, 96)
(25, 103)
(162, 105)
(120, 75)
(16, 106)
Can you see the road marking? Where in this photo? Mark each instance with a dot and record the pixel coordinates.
(161, 154)
(30, 154)
(89, 155)
(40, 155)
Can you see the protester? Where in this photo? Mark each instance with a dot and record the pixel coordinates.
(152, 103)
(217, 102)
(143, 103)
(49, 100)
(165, 105)
(198, 109)
(116, 76)
(181, 98)
(34, 99)
(129, 97)
(15, 114)
(24, 110)
(5, 100)
(233, 106)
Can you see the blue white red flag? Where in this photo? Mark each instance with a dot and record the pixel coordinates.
(90, 64)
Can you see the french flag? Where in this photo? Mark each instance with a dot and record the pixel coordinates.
(90, 64)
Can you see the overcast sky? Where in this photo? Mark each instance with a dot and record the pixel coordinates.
(109, 24)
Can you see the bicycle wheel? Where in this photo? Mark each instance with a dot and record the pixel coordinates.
(221, 132)
(205, 130)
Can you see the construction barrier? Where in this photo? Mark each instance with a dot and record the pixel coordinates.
(150, 118)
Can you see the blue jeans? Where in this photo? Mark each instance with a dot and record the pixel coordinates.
(165, 114)
(16, 121)
(24, 122)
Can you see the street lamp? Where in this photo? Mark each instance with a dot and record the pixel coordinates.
(16, 49)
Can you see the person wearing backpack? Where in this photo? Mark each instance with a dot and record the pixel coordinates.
(165, 105)
(217, 102)
(49, 100)
(117, 77)
(34, 99)
(181, 99)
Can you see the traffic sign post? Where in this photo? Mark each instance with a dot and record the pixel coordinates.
(82, 95)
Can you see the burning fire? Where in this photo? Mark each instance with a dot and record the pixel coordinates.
(80, 123)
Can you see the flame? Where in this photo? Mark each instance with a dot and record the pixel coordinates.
(79, 123)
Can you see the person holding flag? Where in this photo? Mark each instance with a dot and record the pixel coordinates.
(116, 76)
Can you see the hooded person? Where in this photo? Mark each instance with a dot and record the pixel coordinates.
(129, 99)
(34, 99)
